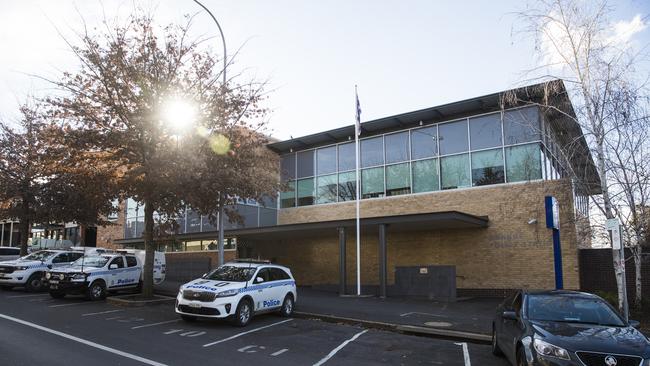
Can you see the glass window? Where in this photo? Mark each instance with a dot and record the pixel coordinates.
(372, 152)
(288, 167)
(398, 179)
(485, 131)
(326, 160)
(193, 246)
(131, 261)
(306, 192)
(207, 225)
(288, 197)
(424, 142)
(326, 189)
(347, 157)
(521, 125)
(453, 137)
(454, 171)
(425, 175)
(487, 167)
(347, 186)
(117, 261)
(306, 164)
(372, 182)
(131, 208)
(193, 221)
(129, 232)
(397, 147)
(523, 163)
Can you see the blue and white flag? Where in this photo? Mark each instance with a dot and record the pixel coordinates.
(358, 113)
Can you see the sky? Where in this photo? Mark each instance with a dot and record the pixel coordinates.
(403, 55)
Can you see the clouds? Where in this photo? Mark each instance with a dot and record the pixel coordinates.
(623, 31)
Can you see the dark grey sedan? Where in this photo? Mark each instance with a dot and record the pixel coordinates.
(558, 328)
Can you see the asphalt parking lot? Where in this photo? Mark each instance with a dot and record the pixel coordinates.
(37, 329)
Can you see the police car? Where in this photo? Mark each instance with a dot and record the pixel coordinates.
(238, 290)
(94, 275)
(28, 271)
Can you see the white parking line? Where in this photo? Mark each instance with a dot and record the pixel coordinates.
(70, 304)
(83, 341)
(333, 352)
(279, 352)
(196, 334)
(244, 333)
(32, 295)
(154, 324)
(429, 314)
(102, 312)
(465, 353)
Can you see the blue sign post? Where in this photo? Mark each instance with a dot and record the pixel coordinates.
(553, 223)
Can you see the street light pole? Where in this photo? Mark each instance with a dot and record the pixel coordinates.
(223, 86)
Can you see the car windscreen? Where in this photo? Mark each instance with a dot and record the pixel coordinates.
(41, 255)
(231, 273)
(91, 261)
(572, 310)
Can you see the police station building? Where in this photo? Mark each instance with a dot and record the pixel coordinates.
(452, 196)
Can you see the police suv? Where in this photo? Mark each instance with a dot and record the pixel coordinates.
(94, 275)
(28, 271)
(238, 290)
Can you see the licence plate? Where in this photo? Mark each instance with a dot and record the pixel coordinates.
(54, 282)
(194, 305)
(54, 287)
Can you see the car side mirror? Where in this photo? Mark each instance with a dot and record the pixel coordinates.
(634, 324)
(259, 280)
(510, 315)
(112, 266)
(49, 266)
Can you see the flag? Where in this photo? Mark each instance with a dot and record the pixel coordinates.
(357, 126)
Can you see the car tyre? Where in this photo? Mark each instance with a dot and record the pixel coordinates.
(521, 357)
(57, 294)
(244, 313)
(34, 283)
(287, 306)
(96, 291)
(496, 350)
(188, 318)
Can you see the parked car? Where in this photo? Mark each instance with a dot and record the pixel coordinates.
(9, 253)
(566, 328)
(29, 270)
(238, 290)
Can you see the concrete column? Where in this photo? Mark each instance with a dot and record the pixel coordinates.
(2, 235)
(11, 233)
(383, 273)
(342, 262)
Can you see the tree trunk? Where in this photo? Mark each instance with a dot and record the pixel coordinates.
(24, 236)
(150, 247)
(638, 298)
(82, 235)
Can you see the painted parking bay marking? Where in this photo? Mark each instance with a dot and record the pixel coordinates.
(83, 341)
(340, 347)
(244, 333)
(465, 353)
(154, 324)
(102, 312)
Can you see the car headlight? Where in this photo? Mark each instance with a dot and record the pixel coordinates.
(48, 275)
(79, 276)
(21, 268)
(180, 291)
(228, 293)
(547, 349)
(61, 276)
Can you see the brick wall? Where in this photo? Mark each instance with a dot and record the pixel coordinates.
(106, 235)
(597, 272)
(510, 253)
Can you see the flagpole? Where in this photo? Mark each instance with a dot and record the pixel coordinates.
(357, 131)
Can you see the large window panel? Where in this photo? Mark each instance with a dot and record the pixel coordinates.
(372, 152)
(372, 182)
(306, 192)
(288, 167)
(326, 160)
(347, 157)
(193, 221)
(453, 137)
(398, 179)
(347, 186)
(523, 163)
(425, 176)
(131, 208)
(326, 187)
(288, 197)
(424, 142)
(485, 131)
(397, 147)
(521, 125)
(487, 167)
(306, 163)
(454, 171)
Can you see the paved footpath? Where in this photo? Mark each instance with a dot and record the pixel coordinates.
(39, 330)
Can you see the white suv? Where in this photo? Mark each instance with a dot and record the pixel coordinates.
(29, 270)
(238, 290)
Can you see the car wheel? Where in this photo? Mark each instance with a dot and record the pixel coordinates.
(287, 306)
(6, 287)
(34, 283)
(188, 318)
(244, 313)
(521, 357)
(495, 344)
(96, 291)
(57, 294)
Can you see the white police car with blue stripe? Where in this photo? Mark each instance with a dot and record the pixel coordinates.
(28, 271)
(238, 290)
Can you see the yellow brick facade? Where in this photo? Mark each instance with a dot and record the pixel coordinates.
(515, 251)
